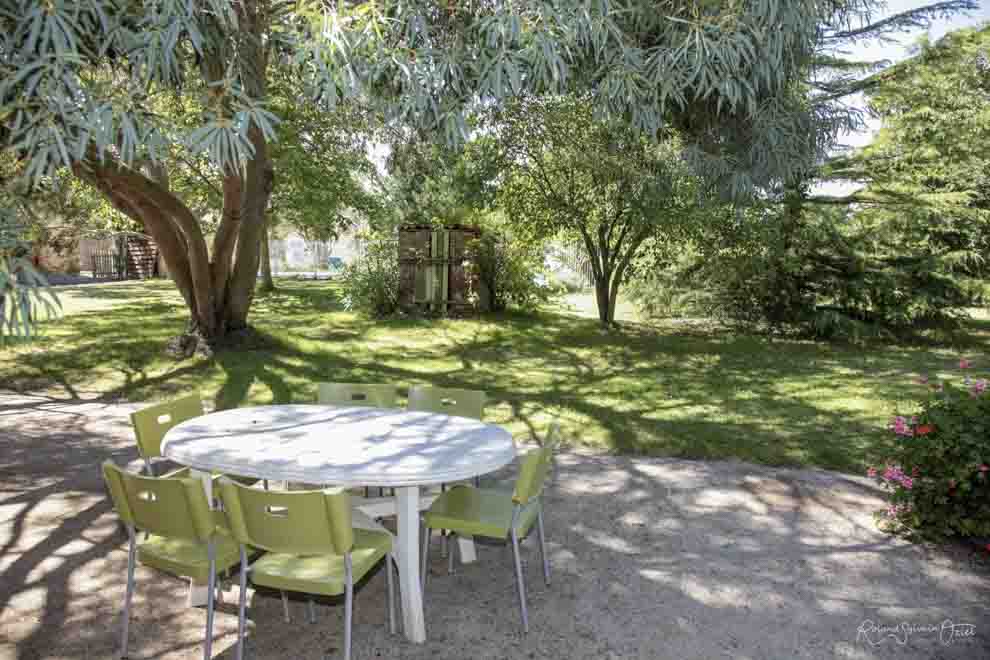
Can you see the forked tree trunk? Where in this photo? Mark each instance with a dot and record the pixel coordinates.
(217, 291)
(609, 263)
(217, 285)
(604, 301)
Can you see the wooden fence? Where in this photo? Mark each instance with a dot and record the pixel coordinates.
(133, 257)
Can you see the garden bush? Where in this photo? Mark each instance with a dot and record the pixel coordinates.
(510, 269)
(938, 476)
(816, 273)
(371, 282)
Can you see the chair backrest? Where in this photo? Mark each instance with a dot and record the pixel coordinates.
(357, 394)
(534, 467)
(152, 423)
(314, 522)
(171, 507)
(462, 403)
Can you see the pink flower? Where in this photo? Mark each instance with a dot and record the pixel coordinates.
(952, 483)
(984, 468)
(978, 388)
(964, 363)
(915, 472)
(907, 482)
(900, 426)
(871, 472)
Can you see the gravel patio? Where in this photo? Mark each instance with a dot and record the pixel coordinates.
(652, 558)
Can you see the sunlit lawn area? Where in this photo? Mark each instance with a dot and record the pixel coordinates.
(692, 391)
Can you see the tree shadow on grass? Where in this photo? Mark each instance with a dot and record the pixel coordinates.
(682, 392)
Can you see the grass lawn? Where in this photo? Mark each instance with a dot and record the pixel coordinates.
(680, 390)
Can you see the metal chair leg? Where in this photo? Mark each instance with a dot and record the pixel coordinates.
(443, 543)
(521, 587)
(131, 561)
(242, 605)
(389, 567)
(311, 608)
(543, 545)
(211, 551)
(285, 607)
(425, 558)
(450, 554)
(264, 483)
(348, 606)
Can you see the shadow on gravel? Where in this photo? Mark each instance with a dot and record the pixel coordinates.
(651, 557)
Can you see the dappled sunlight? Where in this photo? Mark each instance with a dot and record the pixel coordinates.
(651, 558)
(700, 392)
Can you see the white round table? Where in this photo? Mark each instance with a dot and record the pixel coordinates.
(348, 446)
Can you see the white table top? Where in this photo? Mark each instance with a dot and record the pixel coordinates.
(347, 446)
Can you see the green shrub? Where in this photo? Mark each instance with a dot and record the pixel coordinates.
(371, 282)
(938, 477)
(509, 266)
(821, 273)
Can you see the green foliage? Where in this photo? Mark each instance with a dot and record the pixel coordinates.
(77, 76)
(815, 271)
(24, 293)
(938, 475)
(663, 283)
(508, 268)
(371, 282)
(571, 176)
(927, 174)
(326, 181)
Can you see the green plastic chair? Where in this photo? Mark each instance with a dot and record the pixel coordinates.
(185, 537)
(357, 394)
(311, 547)
(153, 422)
(497, 514)
(449, 401)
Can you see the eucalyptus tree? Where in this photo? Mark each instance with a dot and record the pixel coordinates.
(77, 78)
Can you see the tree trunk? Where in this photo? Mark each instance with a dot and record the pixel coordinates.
(258, 182)
(267, 282)
(218, 288)
(606, 304)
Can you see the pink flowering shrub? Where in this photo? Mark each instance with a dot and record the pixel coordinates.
(938, 477)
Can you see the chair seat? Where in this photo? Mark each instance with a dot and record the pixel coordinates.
(187, 558)
(472, 511)
(321, 574)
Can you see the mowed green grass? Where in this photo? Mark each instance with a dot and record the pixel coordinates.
(690, 391)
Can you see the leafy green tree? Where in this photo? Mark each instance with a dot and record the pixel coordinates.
(328, 181)
(571, 175)
(926, 177)
(78, 81)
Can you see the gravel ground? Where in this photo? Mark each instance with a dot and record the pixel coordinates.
(652, 558)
